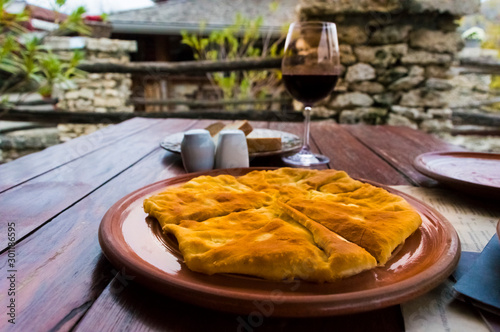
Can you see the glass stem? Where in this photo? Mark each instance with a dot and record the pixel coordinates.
(307, 122)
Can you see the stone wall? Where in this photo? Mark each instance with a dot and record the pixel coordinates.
(396, 57)
(95, 92)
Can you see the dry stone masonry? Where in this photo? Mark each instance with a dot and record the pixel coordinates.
(98, 93)
(396, 57)
(93, 93)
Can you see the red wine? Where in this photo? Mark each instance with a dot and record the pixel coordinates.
(309, 89)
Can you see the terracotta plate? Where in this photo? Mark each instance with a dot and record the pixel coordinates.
(132, 241)
(289, 142)
(498, 229)
(473, 172)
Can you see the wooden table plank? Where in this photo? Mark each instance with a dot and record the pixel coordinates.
(329, 138)
(399, 146)
(63, 275)
(32, 204)
(132, 307)
(348, 154)
(61, 270)
(32, 165)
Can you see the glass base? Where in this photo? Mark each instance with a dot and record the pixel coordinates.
(305, 158)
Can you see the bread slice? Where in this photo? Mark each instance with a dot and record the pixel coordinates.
(263, 144)
(215, 127)
(242, 125)
(263, 141)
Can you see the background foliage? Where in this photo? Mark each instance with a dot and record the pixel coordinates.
(243, 39)
(26, 65)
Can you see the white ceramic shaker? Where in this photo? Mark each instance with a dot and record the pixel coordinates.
(232, 149)
(197, 150)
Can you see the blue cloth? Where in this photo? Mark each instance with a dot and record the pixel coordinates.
(482, 280)
(467, 260)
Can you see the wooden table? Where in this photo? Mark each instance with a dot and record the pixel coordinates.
(54, 201)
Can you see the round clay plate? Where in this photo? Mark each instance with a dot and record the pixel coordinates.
(498, 229)
(472, 172)
(289, 142)
(132, 241)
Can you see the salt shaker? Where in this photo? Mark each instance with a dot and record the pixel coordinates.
(197, 150)
(232, 149)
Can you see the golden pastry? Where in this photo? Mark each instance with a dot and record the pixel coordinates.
(203, 198)
(371, 217)
(315, 225)
(270, 244)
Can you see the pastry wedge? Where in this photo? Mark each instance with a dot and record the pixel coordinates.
(270, 244)
(203, 198)
(371, 217)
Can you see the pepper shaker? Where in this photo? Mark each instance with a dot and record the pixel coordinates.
(232, 149)
(197, 150)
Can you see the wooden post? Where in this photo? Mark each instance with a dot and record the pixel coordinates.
(183, 67)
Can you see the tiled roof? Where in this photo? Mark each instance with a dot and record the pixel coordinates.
(18, 6)
(176, 15)
(45, 14)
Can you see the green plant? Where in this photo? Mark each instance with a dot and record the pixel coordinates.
(25, 63)
(57, 71)
(493, 42)
(74, 23)
(474, 33)
(243, 39)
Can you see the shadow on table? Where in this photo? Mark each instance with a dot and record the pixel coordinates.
(138, 306)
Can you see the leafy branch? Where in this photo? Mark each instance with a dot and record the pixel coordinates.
(493, 42)
(25, 63)
(243, 39)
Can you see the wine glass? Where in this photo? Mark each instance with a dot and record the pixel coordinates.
(310, 67)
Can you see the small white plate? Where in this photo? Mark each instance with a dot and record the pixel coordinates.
(289, 142)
